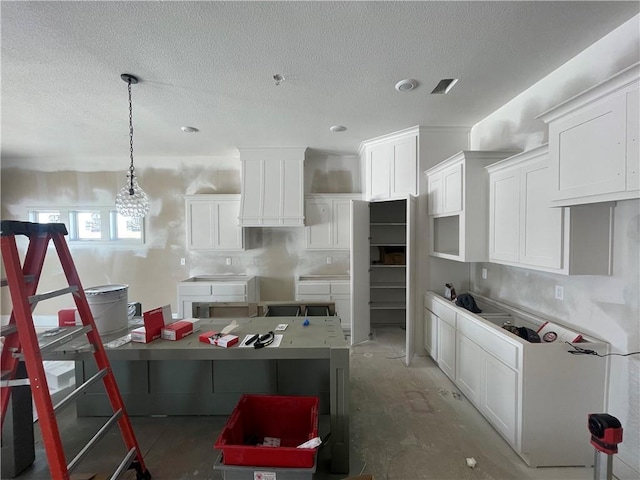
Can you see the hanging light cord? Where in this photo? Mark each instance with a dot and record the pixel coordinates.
(131, 168)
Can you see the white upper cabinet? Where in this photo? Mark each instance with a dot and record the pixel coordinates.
(594, 144)
(391, 167)
(525, 231)
(457, 205)
(212, 222)
(392, 164)
(445, 190)
(272, 187)
(328, 221)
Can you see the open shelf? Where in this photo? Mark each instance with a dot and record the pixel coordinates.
(388, 306)
(389, 285)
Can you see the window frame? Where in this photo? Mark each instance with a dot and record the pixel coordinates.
(108, 225)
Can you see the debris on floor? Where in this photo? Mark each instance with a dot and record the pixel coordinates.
(471, 462)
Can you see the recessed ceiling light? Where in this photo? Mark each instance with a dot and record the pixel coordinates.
(406, 85)
(190, 129)
(338, 128)
(444, 86)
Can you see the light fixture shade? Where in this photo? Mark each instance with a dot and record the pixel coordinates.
(131, 200)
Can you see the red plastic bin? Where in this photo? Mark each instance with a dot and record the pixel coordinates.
(292, 419)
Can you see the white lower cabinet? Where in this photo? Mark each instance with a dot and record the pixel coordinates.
(447, 348)
(215, 289)
(469, 376)
(499, 396)
(431, 333)
(529, 392)
(336, 291)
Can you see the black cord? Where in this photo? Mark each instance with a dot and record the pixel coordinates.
(584, 351)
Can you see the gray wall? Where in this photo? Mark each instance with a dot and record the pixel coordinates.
(607, 307)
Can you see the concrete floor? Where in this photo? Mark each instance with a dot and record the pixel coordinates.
(407, 423)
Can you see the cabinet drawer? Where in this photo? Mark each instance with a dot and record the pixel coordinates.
(314, 288)
(229, 289)
(490, 341)
(230, 298)
(199, 289)
(313, 298)
(341, 288)
(445, 313)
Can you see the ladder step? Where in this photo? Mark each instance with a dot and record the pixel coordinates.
(63, 335)
(80, 390)
(124, 465)
(15, 383)
(27, 279)
(95, 439)
(8, 329)
(34, 299)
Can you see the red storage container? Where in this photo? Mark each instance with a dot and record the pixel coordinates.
(291, 419)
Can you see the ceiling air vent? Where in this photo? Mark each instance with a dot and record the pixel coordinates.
(444, 86)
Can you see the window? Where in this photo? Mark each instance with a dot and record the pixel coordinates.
(93, 224)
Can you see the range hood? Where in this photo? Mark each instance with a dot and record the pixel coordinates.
(272, 192)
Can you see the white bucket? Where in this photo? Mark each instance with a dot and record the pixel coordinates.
(108, 304)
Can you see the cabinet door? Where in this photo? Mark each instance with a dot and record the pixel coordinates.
(227, 232)
(504, 212)
(540, 225)
(633, 140)
(343, 309)
(404, 168)
(447, 349)
(378, 164)
(588, 150)
(200, 222)
(469, 368)
(452, 188)
(341, 222)
(434, 192)
(318, 216)
(431, 333)
(500, 397)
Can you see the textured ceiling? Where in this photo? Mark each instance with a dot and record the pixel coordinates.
(210, 65)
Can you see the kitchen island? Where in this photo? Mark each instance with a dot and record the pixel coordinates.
(188, 377)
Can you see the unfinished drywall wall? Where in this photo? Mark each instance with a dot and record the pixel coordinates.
(152, 270)
(607, 307)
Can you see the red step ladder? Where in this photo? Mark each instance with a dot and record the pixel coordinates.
(22, 343)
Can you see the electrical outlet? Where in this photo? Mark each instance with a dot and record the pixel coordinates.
(559, 292)
(228, 260)
(183, 261)
(484, 273)
(329, 260)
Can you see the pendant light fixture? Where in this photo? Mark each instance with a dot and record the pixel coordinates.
(131, 201)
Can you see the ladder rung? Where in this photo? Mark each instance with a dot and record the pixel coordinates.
(66, 336)
(33, 299)
(124, 465)
(101, 433)
(27, 279)
(8, 329)
(80, 390)
(14, 383)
